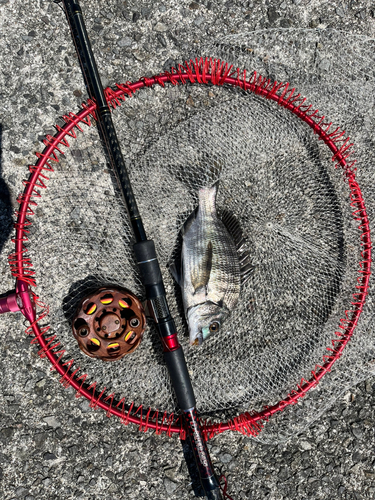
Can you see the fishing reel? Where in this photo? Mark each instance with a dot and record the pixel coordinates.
(109, 323)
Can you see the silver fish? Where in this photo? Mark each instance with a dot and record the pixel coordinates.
(210, 271)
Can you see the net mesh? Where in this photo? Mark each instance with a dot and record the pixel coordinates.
(279, 182)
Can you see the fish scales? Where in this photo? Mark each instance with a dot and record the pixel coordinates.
(210, 270)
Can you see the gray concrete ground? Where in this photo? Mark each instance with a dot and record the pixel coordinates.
(54, 446)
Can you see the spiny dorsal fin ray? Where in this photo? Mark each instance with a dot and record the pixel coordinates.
(233, 227)
(244, 256)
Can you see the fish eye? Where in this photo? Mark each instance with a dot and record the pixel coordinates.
(214, 327)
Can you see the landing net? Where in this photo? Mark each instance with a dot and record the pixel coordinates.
(300, 207)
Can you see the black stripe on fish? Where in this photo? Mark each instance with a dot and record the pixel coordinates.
(200, 275)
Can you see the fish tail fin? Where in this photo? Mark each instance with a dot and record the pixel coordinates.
(207, 198)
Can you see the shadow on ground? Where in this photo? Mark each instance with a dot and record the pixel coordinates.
(5, 204)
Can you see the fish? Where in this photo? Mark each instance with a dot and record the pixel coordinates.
(211, 269)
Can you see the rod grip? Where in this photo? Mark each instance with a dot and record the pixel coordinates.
(149, 268)
(175, 361)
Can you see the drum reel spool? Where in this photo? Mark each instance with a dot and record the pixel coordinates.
(109, 323)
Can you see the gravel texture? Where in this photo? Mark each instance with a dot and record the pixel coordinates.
(54, 446)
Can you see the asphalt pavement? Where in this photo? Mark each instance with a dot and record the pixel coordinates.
(54, 446)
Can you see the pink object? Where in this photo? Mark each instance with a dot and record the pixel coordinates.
(9, 303)
(21, 300)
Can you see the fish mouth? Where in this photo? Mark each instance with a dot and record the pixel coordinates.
(198, 340)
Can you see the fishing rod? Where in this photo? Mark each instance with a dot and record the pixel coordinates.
(146, 257)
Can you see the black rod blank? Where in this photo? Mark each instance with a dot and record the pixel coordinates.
(106, 127)
(149, 267)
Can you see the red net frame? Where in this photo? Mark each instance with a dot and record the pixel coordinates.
(199, 71)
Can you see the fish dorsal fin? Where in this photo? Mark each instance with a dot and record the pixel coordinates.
(200, 275)
(234, 229)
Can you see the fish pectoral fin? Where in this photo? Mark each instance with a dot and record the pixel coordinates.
(175, 273)
(200, 275)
